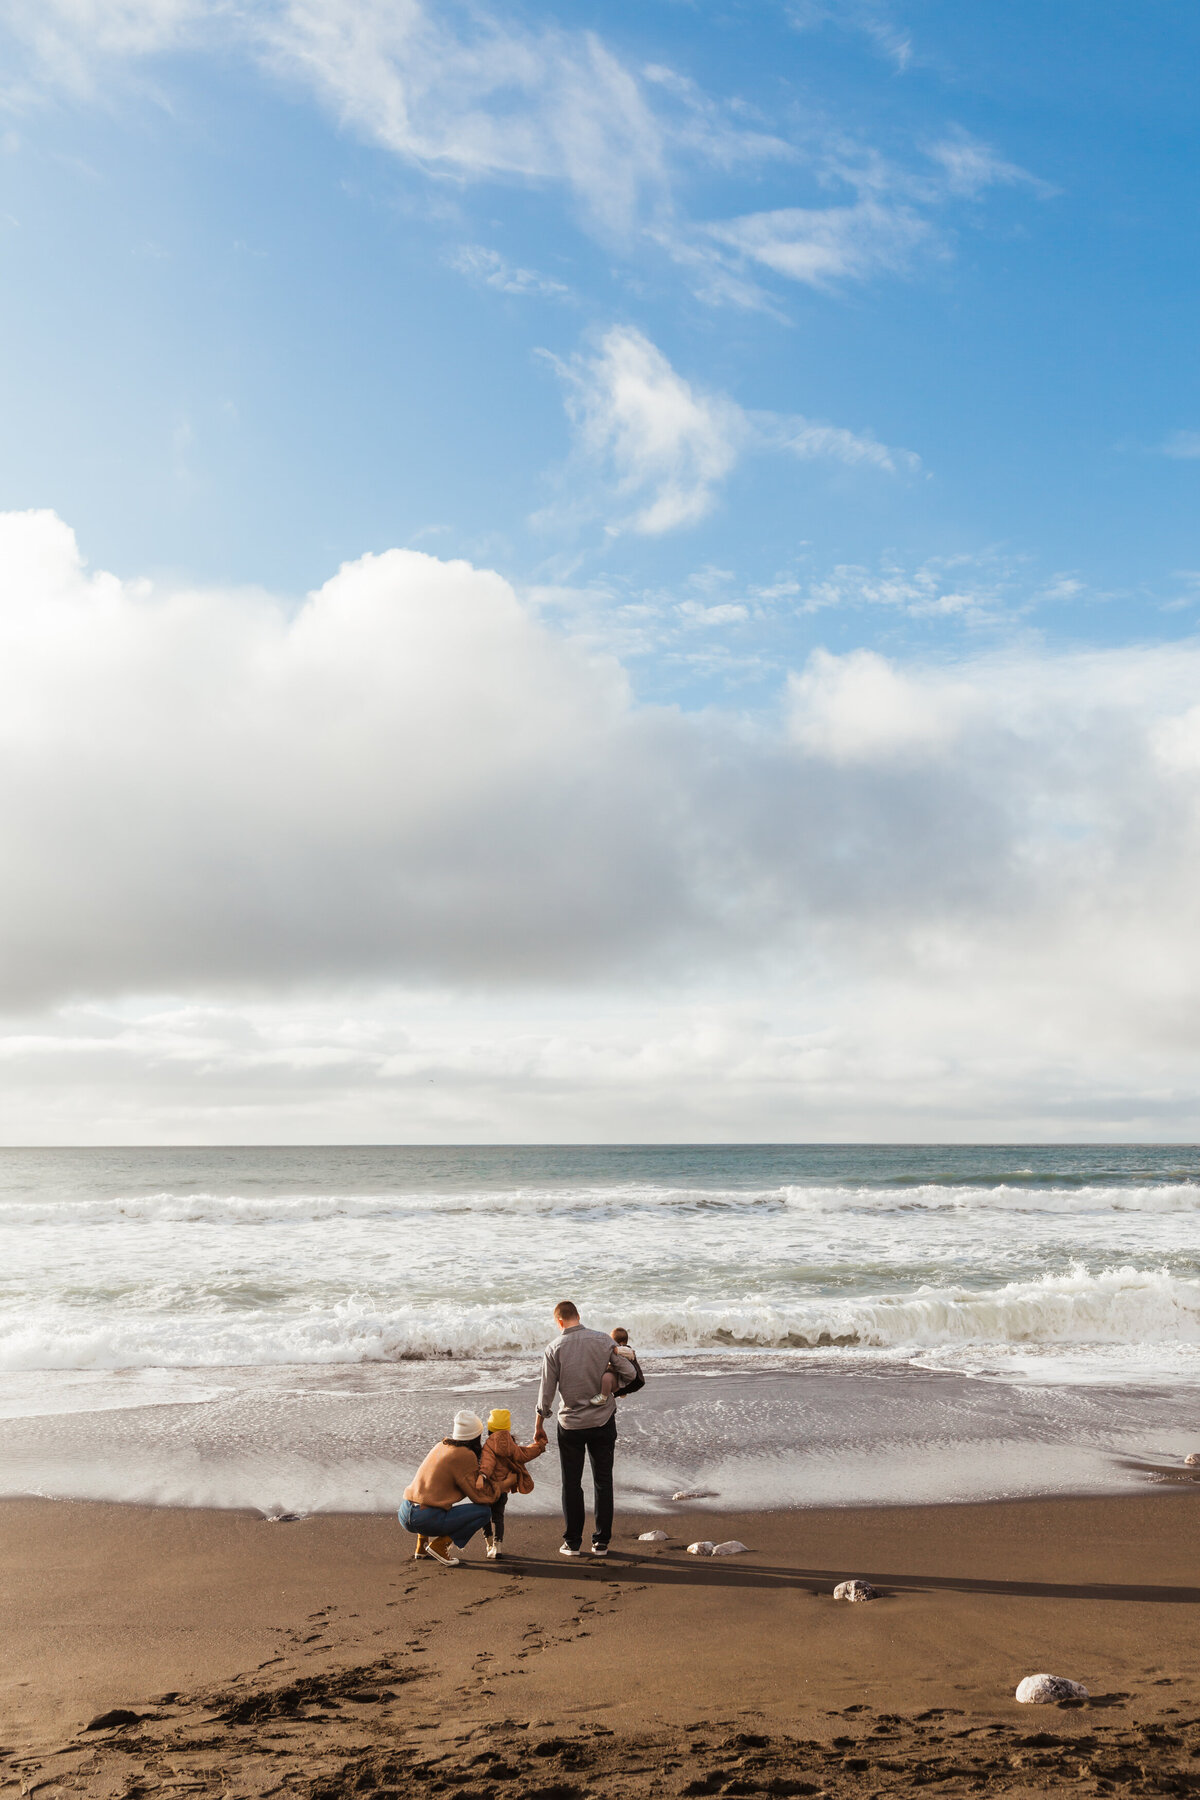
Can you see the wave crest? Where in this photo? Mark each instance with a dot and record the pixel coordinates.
(1117, 1307)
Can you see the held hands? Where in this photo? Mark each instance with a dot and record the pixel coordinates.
(539, 1436)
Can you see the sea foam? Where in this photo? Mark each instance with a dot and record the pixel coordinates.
(1119, 1306)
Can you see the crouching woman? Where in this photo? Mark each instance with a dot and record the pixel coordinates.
(448, 1500)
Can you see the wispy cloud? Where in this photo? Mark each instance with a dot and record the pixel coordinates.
(662, 445)
(468, 95)
(894, 214)
(873, 19)
(492, 270)
(1183, 445)
(461, 92)
(975, 589)
(825, 245)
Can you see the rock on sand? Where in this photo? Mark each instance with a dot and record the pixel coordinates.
(1192, 1459)
(1044, 1690)
(855, 1590)
(652, 1537)
(731, 1547)
(704, 1548)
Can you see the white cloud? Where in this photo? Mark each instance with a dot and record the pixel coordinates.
(66, 39)
(968, 167)
(665, 445)
(824, 245)
(460, 92)
(812, 442)
(858, 708)
(466, 95)
(892, 216)
(492, 270)
(456, 88)
(405, 847)
(974, 589)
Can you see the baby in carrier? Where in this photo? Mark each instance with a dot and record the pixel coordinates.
(502, 1462)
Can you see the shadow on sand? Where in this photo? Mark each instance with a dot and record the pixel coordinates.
(685, 1571)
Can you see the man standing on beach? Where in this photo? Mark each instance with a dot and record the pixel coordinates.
(572, 1368)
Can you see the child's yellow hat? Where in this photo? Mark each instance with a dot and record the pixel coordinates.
(499, 1419)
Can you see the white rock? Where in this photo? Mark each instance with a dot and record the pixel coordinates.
(731, 1547)
(1043, 1690)
(1192, 1458)
(855, 1590)
(704, 1548)
(652, 1537)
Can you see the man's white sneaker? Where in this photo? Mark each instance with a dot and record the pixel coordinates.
(599, 1549)
(566, 1550)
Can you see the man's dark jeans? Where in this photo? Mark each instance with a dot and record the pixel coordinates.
(599, 1445)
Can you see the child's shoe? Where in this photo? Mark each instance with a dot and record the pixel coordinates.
(596, 1400)
(493, 1548)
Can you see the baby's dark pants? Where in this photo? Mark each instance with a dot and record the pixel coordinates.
(498, 1507)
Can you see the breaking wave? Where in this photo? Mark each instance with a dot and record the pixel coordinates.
(611, 1200)
(1120, 1306)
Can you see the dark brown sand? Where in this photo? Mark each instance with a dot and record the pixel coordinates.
(314, 1659)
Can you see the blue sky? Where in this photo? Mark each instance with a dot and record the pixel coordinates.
(835, 355)
(251, 344)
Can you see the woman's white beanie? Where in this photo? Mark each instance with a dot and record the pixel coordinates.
(466, 1427)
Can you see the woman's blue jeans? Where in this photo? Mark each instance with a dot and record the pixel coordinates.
(458, 1523)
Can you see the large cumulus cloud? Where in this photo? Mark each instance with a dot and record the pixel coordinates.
(408, 777)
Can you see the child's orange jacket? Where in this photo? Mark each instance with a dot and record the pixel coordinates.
(502, 1461)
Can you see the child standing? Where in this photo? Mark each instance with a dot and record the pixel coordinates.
(502, 1462)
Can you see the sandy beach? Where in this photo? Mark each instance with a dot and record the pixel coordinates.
(314, 1658)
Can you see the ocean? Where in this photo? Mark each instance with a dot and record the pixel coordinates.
(288, 1329)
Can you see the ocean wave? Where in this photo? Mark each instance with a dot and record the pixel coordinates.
(609, 1201)
(1118, 1306)
(1002, 1197)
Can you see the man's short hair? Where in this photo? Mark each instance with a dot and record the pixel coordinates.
(566, 1309)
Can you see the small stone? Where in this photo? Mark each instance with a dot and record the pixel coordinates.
(652, 1537)
(704, 1548)
(731, 1547)
(1192, 1459)
(1045, 1690)
(855, 1590)
(694, 1494)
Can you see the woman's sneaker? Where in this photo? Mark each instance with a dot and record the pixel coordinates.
(419, 1552)
(439, 1549)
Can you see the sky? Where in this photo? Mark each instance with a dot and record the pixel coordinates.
(599, 572)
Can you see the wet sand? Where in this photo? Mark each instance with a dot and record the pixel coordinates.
(314, 1659)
